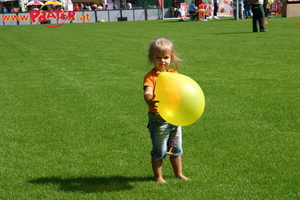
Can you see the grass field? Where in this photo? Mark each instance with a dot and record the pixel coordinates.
(73, 119)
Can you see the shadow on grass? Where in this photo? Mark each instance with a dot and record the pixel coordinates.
(90, 184)
(233, 33)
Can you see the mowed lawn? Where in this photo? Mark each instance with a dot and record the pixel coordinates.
(73, 119)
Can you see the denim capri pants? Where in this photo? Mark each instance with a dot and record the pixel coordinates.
(163, 136)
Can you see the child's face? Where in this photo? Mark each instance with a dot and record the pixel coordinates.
(161, 61)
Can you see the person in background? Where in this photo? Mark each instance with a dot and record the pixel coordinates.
(193, 10)
(176, 9)
(100, 7)
(85, 7)
(241, 9)
(115, 7)
(128, 5)
(203, 12)
(240, 5)
(210, 9)
(265, 7)
(94, 7)
(258, 15)
(216, 8)
(247, 9)
(12, 9)
(76, 8)
(4, 9)
(268, 5)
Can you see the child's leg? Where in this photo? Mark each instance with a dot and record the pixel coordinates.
(157, 170)
(177, 167)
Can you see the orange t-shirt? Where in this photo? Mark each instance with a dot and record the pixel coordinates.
(150, 80)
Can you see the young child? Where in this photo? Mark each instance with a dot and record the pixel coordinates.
(163, 134)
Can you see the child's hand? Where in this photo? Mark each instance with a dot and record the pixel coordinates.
(152, 102)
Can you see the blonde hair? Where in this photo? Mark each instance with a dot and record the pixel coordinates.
(162, 46)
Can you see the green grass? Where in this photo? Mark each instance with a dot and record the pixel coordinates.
(73, 119)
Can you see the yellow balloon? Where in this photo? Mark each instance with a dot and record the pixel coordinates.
(181, 100)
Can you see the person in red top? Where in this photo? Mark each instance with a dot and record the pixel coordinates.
(163, 134)
(77, 8)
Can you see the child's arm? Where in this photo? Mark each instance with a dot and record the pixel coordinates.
(149, 96)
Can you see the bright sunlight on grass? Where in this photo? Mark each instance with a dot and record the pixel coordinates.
(73, 119)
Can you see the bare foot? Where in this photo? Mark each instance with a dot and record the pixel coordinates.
(183, 177)
(160, 180)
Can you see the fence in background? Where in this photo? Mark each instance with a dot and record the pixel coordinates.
(90, 16)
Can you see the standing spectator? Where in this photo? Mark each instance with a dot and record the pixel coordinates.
(216, 8)
(269, 14)
(258, 16)
(210, 8)
(265, 7)
(115, 7)
(247, 7)
(203, 12)
(240, 8)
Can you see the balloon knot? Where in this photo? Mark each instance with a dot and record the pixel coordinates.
(158, 72)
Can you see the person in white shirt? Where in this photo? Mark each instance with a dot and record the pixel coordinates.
(128, 5)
